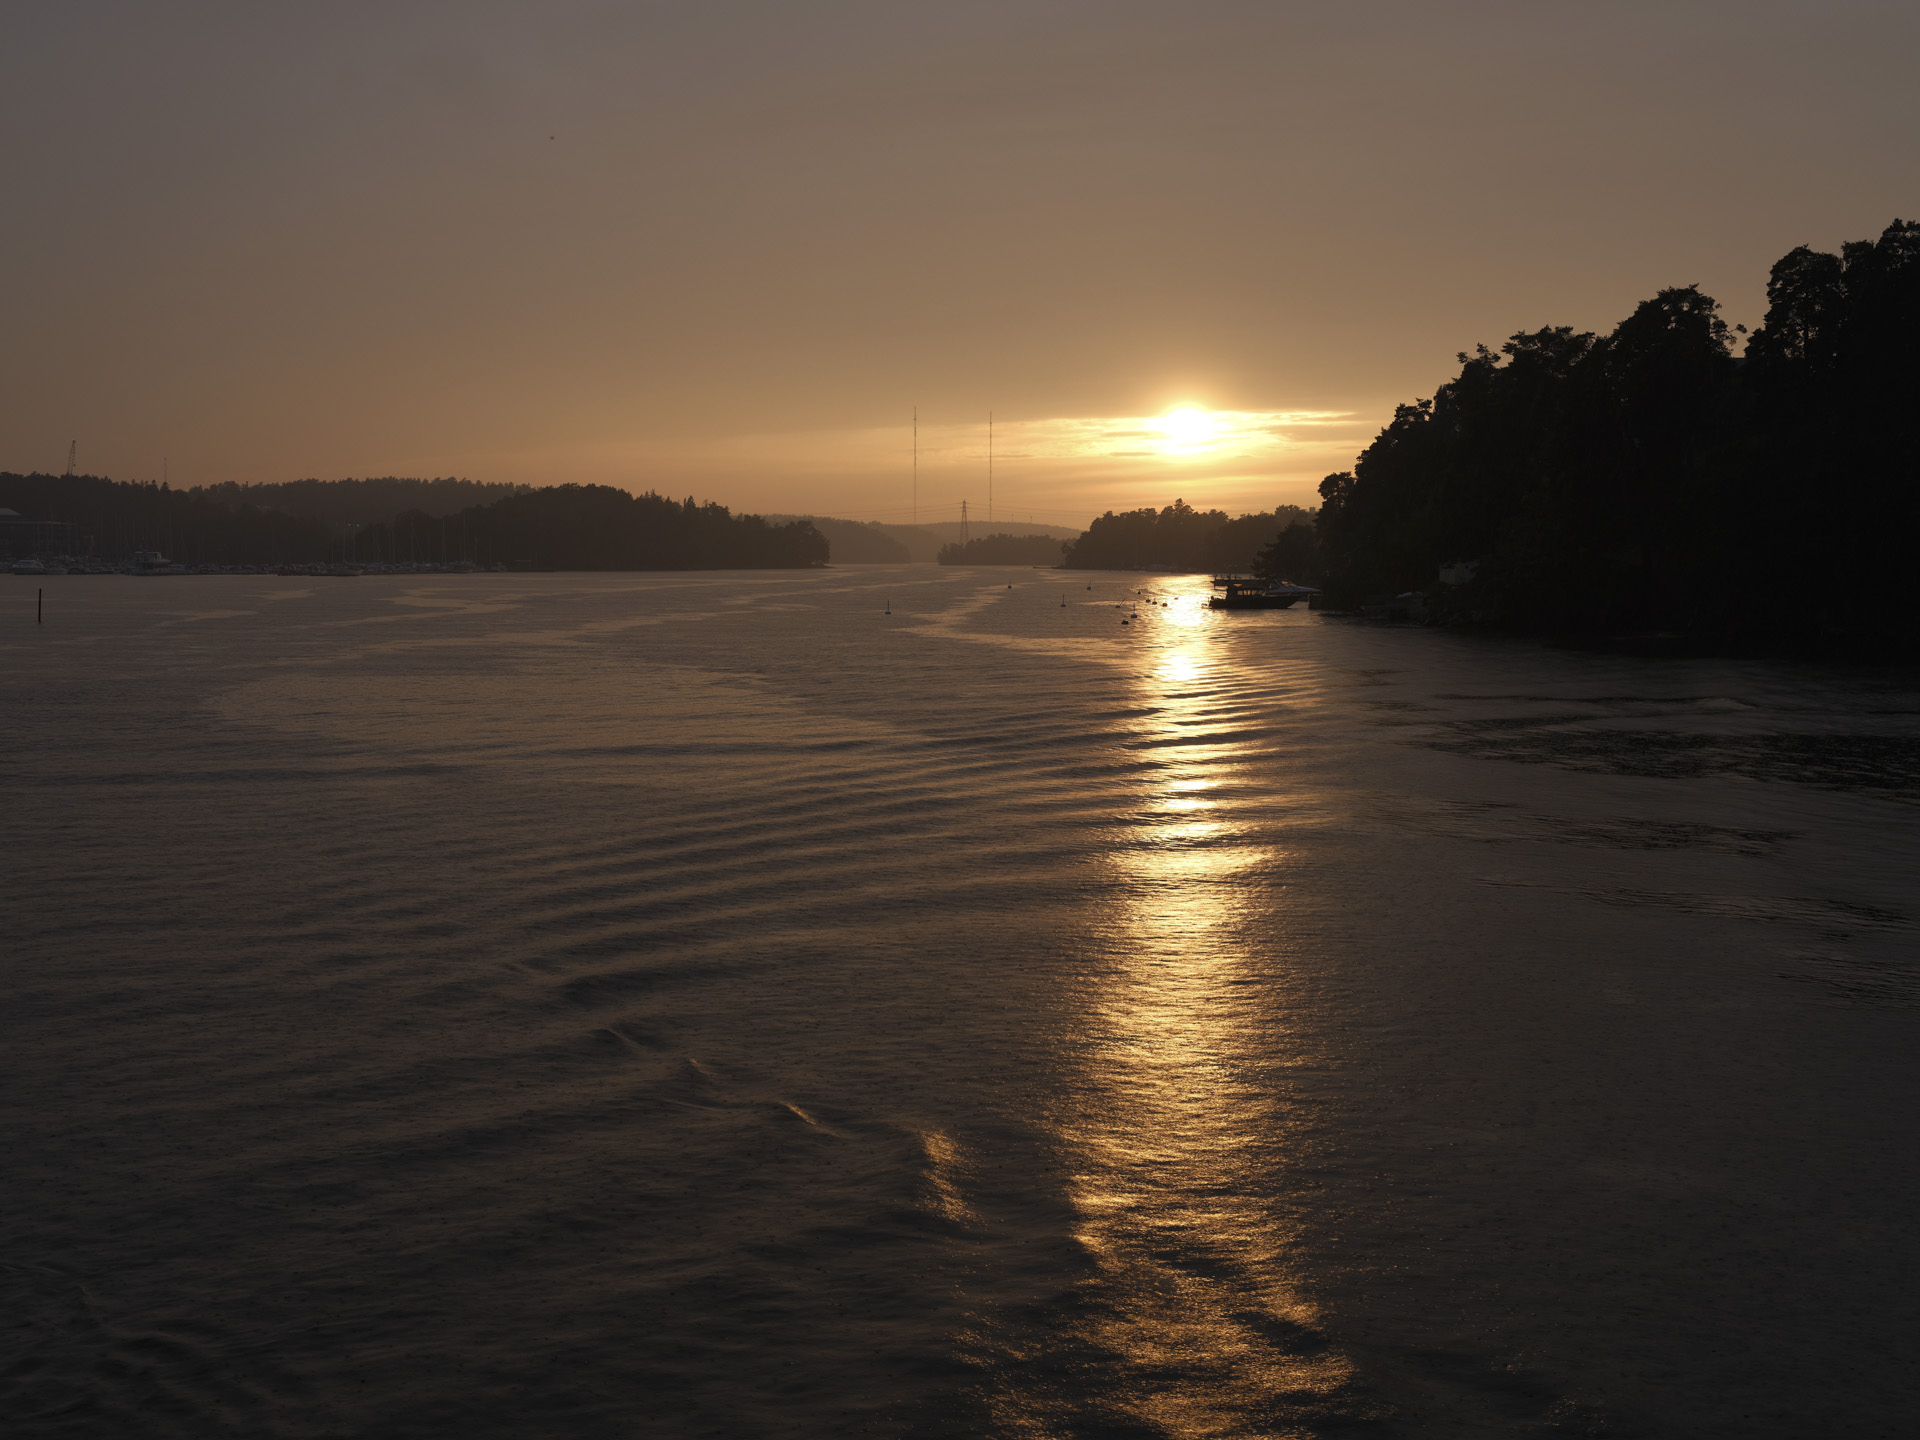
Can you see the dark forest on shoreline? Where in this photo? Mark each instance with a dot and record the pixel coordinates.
(1181, 538)
(563, 527)
(1642, 481)
(1647, 480)
(600, 527)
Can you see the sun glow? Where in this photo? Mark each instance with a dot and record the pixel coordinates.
(1186, 429)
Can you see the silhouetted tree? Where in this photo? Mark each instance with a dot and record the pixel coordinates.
(1236, 545)
(1293, 554)
(1649, 479)
(1171, 539)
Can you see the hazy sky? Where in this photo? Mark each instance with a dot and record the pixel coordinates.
(725, 248)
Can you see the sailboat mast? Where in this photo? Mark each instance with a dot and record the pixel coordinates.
(916, 465)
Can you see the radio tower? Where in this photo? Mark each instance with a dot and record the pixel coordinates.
(963, 522)
(73, 449)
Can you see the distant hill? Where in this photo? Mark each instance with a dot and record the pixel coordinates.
(866, 542)
(949, 530)
(1001, 548)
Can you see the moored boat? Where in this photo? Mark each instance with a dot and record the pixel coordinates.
(1251, 595)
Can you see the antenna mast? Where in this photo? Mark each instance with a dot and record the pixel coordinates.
(963, 522)
(73, 449)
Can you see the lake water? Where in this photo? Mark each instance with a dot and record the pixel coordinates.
(707, 1005)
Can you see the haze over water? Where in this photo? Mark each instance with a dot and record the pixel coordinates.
(617, 1005)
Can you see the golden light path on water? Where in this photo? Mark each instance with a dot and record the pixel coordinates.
(1176, 1134)
(1174, 1148)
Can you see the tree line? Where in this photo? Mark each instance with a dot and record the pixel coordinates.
(1003, 549)
(1181, 538)
(565, 527)
(344, 503)
(1647, 479)
(112, 519)
(601, 527)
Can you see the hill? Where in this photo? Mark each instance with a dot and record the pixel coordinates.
(866, 542)
(1004, 549)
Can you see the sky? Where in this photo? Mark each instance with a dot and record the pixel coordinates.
(730, 248)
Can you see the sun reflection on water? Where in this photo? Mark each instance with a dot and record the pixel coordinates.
(1177, 1147)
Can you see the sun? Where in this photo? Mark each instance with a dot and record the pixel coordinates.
(1185, 429)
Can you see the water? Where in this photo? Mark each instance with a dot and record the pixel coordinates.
(706, 1005)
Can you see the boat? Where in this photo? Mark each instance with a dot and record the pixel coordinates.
(28, 567)
(1251, 595)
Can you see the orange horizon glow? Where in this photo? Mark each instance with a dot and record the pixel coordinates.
(729, 253)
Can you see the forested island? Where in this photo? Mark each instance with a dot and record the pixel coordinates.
(599, 527)
(1648, 480)
(362, 502)
(89, 515)
(1181, 538)
(564, 527)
